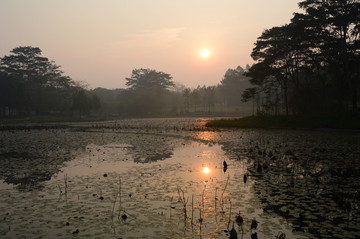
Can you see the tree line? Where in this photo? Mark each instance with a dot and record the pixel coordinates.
(31, 84)
(309, 66)
(154, 93)
(312, 64)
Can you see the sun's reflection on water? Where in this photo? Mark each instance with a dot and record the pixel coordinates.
(206, 135)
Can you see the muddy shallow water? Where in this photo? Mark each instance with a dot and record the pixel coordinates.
(166, 178)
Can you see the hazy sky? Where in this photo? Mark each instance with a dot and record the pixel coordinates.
(101, 42)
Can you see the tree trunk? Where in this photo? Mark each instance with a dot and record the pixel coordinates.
(286, 97)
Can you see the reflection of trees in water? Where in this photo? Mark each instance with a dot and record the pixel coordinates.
(29, 158)
(151, 148)
(311, 179)
(27, 171)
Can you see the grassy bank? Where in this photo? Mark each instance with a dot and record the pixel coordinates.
(294, 122)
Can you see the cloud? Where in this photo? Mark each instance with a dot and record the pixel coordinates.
(150, 39)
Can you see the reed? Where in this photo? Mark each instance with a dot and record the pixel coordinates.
(215, 204)
(60, 189)
(202, 198)
(117, 195)
(113, 209)
(192, 209)
(222, 194)
(228, 226)
(171, 206)
(182, 199)
(65, 185)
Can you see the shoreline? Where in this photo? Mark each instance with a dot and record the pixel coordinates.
(289, 122)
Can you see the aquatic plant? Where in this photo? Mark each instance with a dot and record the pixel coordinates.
(183, 200)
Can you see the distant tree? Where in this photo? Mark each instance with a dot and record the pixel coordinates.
(209, 97)
(147, 90)
(81, 102)
(147, 79)
(29, 65)
(248, 94)
(187, 98)
(108, 99)
(232, 85)
(196, 97)
(42, 80)
(95, 102)
(12, 94)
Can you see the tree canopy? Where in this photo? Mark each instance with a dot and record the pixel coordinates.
(313, 61)
(147, 79)
(232, 85)
(30, 84)
(146, 92)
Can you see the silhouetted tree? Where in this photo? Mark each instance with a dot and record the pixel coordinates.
(12, 94)
(209, 97)
(248, 94)
(81, 102)
(147, 79)
(147, 90)
(187, 98)
(109, 100)
(43, 82)
(196, 98)
(95, 102)
(337, 24)
(232, 85)
(310, 58)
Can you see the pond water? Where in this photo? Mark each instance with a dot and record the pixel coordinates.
(173, 178)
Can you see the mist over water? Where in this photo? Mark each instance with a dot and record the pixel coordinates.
(180, 119)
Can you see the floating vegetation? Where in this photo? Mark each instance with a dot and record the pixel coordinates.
(146, 179)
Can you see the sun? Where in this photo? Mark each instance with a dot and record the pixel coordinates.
(206, 170)
(205, 53)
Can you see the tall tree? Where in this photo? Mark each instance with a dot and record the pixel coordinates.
(314, 55)
(187, 98)
(147, 79)
(147, 90)
(46, 86)
(12, 94)
(28, 64)
(338, 21)
(232, 85)
(277, 58)
(81, 102)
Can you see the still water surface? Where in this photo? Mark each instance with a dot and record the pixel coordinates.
(166, 179)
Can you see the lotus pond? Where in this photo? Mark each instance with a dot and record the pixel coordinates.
(174, 178)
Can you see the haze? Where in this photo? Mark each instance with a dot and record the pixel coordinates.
(101, 42)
